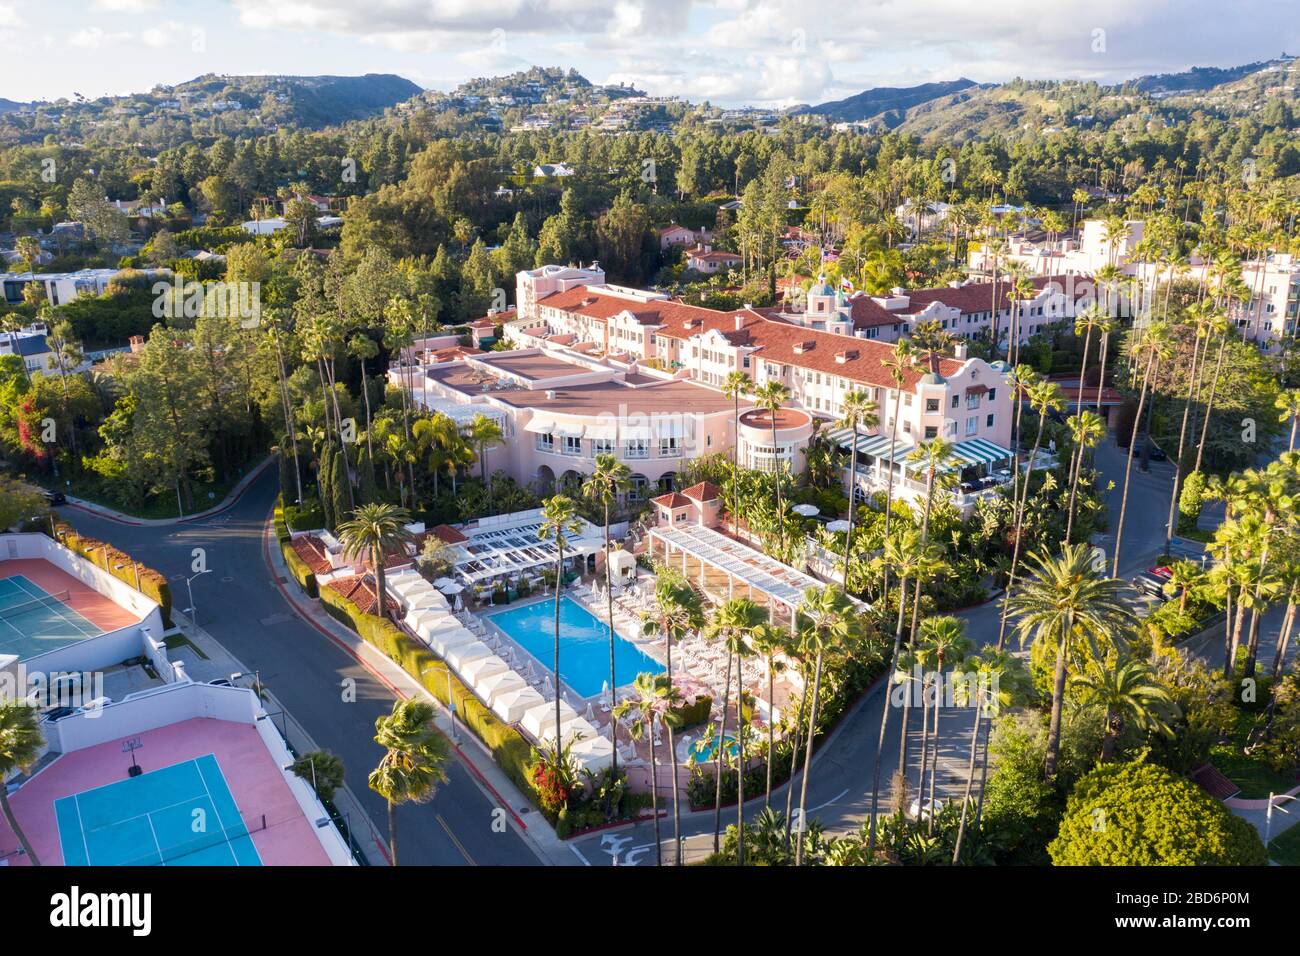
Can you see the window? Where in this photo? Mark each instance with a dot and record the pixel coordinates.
(668, 448)
(907, 399)
(545, 443)
(956, 401)
(972, 425)
(572, 446)
(931, 405)
(993, 393)
(931, 431)
(989, 421)
(973, 401)
(637, 448)
(602, 446)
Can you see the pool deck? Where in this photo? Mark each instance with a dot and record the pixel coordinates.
(101, 611)
(254, 779)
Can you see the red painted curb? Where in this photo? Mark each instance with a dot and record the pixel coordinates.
(266, 537)
(226, 505)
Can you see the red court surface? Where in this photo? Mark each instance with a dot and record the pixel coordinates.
(255, 782)
(89, 603)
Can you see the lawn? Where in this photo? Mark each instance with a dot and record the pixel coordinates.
(1285, 849)
(206, 495)
(1255, 778)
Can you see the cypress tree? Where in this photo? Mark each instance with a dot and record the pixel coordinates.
(288, 485)
(369, 490)
(323, 476)
(340, 505)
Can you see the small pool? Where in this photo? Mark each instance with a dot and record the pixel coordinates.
(584, 645)
(703, 751)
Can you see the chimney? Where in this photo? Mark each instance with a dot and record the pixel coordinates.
(550, 394)
(740, 321)
(137, 343)
(959, 351)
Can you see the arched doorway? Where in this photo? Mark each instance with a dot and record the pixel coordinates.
(545, 480)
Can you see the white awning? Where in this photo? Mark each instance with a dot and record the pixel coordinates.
(540, 426)
(607, 432)
(637, 433)
(671, 426)
(564, 430)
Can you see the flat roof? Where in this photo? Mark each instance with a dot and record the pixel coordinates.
(615, 398)
(535, 367)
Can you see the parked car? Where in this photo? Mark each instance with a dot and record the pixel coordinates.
(221, 682)
(1157, 453)
(1152, 581)
(920, 808)
(56, 497)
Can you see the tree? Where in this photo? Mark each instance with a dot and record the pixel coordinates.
(414, 762)
(766, 640)
(898, 365)
(1131, 696)
(734, 386)
(323, 770)
(941, 641)
(19, 501)
(373, 531)
(21, 743)
(1066, 600)
(856, 411)
(771, 396)
(1139, 814)
(653, 699)
(610, 479)
(677, 612)
(1288, 407)
(485, 433)
(559, 521)
(1153, 345)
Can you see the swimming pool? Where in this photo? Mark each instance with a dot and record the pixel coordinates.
(584, 645)
(704, 752)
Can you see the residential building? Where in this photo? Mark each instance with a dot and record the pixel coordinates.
(704, 258)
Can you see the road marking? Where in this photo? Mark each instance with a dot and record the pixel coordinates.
(451, 836)
(828, 802)
(578, 854)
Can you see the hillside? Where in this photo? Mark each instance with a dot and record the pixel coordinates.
(885, 102)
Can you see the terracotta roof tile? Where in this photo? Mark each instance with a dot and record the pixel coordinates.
(674, 499)
(703, 491)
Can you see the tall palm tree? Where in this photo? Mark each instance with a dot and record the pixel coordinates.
(610, 479)
(1086, 432)
(1130, 694)
(21, 743)
(1044, 397)
(1063, 601)
(735, 386)
(1288, 407)
(732, 624)
(1221, 328)
(1153, 345)
(771, 397)
(414, 762)
(828, 623)
(678, 611)
(485, 433)
(999, 681)
(767, 640)
(898, 365)
(559, 520)
(1202, 316)
(857, 410)
(653, 701)
(373, 531)
(942, 642)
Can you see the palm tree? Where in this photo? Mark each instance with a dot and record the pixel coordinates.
(1066, 600)
(898, 365)
(610, 479)
(857, 410)
(1288, 407)
(1222, 329)
(1202, 316)
(1086, 432)
(559, 521)
(21, 743)
(732, 624)
(414, 761)
(1043, 397)
(942, 641)
(1154, 344)
(653, 700)
(485, 433)
(734, 386)
(828, 622)
(1000, 680)
(678, 611)
(373, 531)
(766, 640)
(1131, 695)
(771, 396)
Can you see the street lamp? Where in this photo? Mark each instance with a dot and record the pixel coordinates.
(192, 610)
(136, 565)
(451, 701)
(1268, 816)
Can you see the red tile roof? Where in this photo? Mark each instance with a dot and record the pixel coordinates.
(312, 552)
(703, 491)
(360, 590)
(448, 534)
(674, 499)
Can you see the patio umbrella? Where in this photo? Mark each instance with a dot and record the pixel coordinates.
(837, 526)
(443, 582)
(589, 715)
(806, 511)
(451, 587)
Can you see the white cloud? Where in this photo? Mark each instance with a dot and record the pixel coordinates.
(124, 6)
(94, 38)
(162, 35)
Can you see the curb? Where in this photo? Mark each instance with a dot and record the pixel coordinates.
(236, 493)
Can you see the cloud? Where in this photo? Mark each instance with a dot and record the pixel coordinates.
(162, 35)
(124, 6)
(94, 38)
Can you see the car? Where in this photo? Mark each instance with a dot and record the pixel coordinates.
(1157, 453)
(920, 809)
(221, 682)
(56, 497)
(1152, 584)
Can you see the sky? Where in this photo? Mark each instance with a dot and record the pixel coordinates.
(729, 52)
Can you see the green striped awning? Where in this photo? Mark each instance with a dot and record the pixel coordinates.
(877, 446)
(979, 451)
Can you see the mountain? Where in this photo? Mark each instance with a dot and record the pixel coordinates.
(886, 102)
(10, 106)
(1198, 78)
(303, 101)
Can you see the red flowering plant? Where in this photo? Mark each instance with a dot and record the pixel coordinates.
(29, 432)
(555, 777)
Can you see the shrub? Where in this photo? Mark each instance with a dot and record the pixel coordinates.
(1138, 814)
(298, 568)
(106, 557)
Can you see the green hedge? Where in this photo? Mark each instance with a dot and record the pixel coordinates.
(152, 584)
(510, 750)
(281, 528)
(696, 713)
(298, 568)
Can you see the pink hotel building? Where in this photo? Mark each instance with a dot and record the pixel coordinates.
(602, 368)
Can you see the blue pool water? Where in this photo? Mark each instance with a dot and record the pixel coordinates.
(584, 645)
(182, 815)
(703, 752)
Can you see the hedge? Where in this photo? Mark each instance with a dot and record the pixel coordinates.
(152, 584)
(298, 568)
(281, 527)
(512, 753)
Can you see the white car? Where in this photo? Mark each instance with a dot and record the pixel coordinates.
(920, 809)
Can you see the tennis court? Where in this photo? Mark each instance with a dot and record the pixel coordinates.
(34, 621)
(182, 815)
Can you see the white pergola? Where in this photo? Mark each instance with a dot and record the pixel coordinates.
(518, 549)
(743, 566)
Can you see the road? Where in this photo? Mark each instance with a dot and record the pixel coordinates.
(240, 605)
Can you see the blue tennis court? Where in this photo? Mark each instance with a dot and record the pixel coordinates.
(34, 621)
(182, 815)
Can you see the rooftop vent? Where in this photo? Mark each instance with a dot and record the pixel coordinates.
(550, 394)
(801, 347)
(846, 356)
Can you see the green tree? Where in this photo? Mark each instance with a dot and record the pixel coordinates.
(373, 531)
(560, 521)
(415, 760)
(652, 702)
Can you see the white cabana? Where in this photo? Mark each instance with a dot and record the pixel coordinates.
(511, 705)
(540, 720)
(499, 683)
(622, 566)
(428, 598)
(465, 653)
(426, 616)
(475, 671)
